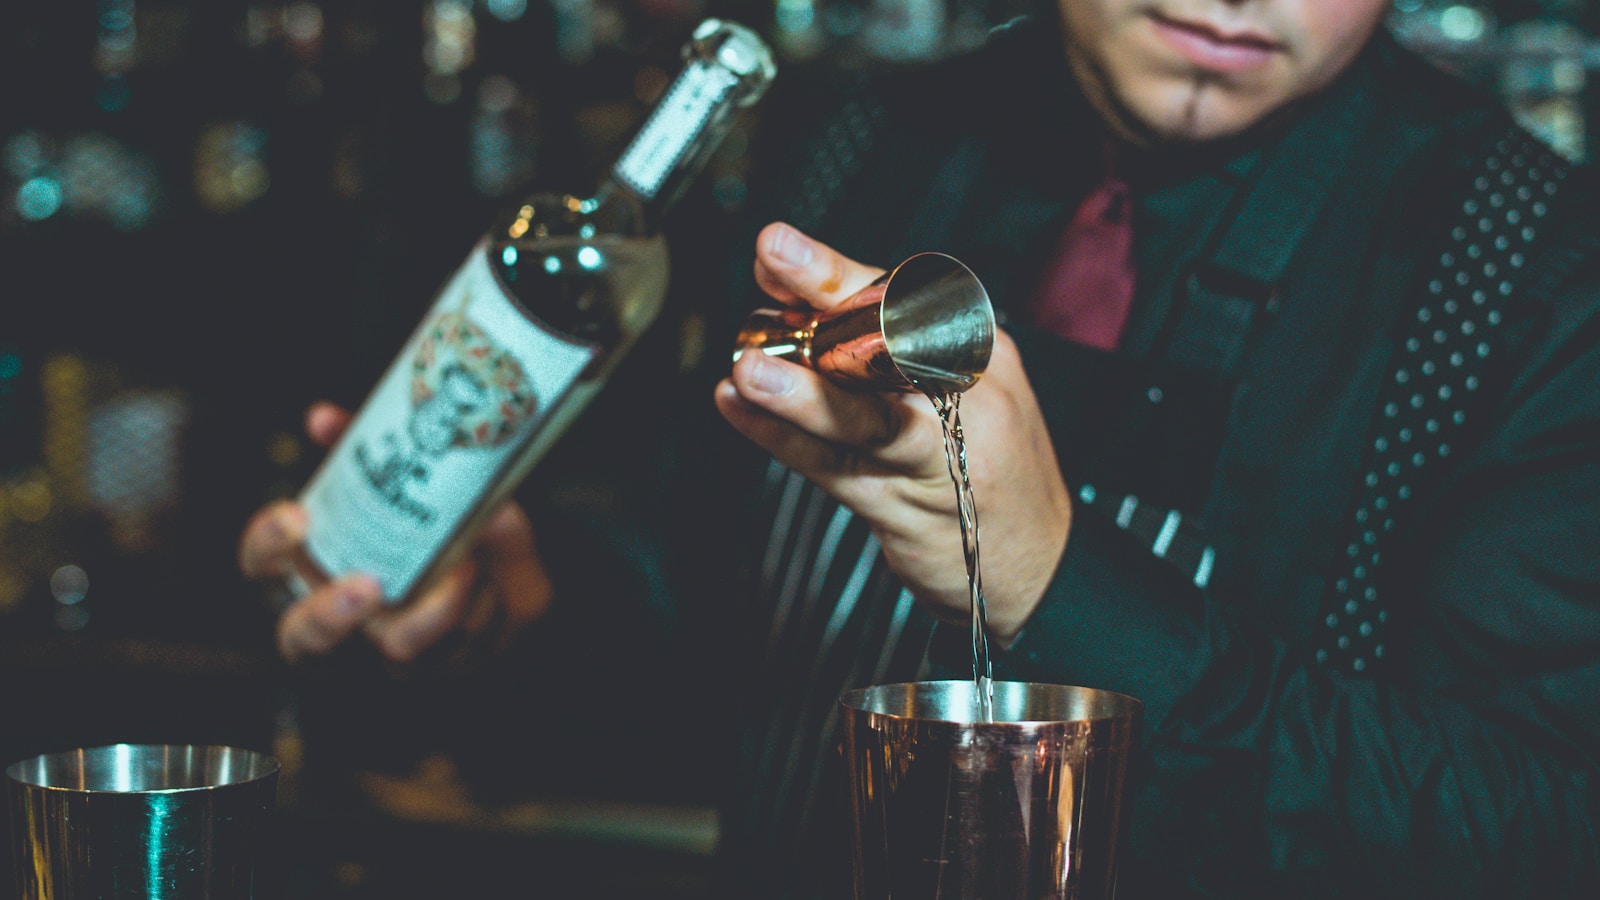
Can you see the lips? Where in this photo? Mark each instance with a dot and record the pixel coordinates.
(1215, 48)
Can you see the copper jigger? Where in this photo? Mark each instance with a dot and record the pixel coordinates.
(925, 325)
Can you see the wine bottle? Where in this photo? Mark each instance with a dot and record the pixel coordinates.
(518, 342)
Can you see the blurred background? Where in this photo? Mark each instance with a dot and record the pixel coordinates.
(213, 212)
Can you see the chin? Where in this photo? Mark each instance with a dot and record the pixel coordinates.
(1179, 129)
(1185, 116)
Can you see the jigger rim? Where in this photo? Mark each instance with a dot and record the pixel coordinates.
(254, 766)
(978, 302)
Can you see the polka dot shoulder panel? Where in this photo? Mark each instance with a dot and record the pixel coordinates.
(1439, 369)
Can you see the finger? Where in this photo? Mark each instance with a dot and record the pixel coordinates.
(324, 618)
(405, 633)
(1005, 363)
(890, 429)
(510, 555)
(793, 268)
(834, 466)
(326, 421)
(269, 539)
(794, 448)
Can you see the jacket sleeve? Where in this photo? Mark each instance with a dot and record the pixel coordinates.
(1467, 769)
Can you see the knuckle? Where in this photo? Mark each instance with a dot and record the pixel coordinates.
(320, 630)
(267, 537)
(287, 646)
(844, 459)
(397, 646)
(300, 636)
(390, 638)
(885, 425)
(832, 273)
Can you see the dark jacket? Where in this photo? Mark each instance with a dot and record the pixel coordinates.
(1385, 682)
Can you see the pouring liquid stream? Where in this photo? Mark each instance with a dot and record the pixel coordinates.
(948, 405)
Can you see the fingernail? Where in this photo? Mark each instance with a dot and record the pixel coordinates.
(770, 377)
(791, 247)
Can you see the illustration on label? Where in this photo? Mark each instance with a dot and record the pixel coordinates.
(466, 393)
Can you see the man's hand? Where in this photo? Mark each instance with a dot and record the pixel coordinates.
(500, 587)
(882, 455)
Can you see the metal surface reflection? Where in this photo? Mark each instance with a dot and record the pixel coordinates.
(154, 822)
(946, 805)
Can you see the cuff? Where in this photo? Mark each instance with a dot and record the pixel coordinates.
(1114, 617)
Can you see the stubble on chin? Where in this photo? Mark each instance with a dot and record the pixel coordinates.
(1189, 104)
(1176, 115)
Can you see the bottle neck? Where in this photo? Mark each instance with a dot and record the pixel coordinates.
(679, 136)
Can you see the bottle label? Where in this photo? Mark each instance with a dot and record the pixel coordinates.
(470, 388)
(673, 127)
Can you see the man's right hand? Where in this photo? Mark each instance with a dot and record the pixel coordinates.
(497, 590)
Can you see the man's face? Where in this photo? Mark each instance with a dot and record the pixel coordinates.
(1197, 70)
